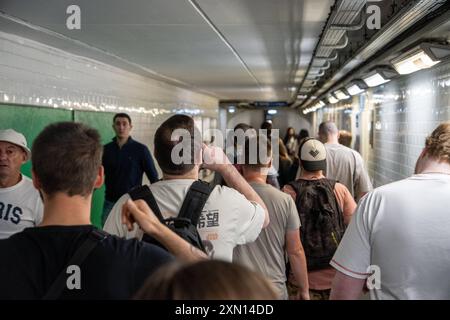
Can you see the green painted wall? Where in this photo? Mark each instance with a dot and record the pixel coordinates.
(31, 120)
(103, 123)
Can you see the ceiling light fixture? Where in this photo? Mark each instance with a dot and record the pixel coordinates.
(424, 56)
(379, 76)
(320, 104)
(332, 99)
(341, 94)
(356, 87)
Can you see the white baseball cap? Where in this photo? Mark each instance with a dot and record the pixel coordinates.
(313, 155)
(14, 137)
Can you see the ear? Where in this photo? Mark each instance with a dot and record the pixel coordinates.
(24, 157)
(36, 182)
(423, 153)
(420, 161)
(100, 177)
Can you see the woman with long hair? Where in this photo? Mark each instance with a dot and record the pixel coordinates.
(290, 141)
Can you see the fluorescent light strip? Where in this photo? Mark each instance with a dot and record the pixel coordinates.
(224, 40)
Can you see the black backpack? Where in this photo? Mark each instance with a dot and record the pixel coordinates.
(322, 221)
(185, 224)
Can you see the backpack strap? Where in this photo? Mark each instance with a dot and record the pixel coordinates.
(94, 238)
(144, 193)
(194, 201)
(332, 184)
(297, 186)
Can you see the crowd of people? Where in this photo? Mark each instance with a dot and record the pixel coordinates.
(311, 227)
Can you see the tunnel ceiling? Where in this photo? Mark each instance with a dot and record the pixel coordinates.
(234, 49)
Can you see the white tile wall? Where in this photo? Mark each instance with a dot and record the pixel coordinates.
(32, 73)
(404, 113)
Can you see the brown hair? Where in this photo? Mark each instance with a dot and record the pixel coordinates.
(438, 143)
(66, 157)
(206, 280)
(122, 115)
(345, 138)
(164, 144)
(283, 150)
(261, 158)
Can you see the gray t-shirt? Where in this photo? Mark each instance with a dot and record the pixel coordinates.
(267, 253)
(346, 166)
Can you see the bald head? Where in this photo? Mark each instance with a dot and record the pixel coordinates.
(328, 132)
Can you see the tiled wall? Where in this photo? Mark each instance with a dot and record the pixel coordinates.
(392, 121)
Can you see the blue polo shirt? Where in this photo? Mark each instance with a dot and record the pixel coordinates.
(124, 167)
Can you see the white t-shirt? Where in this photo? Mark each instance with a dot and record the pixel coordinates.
(227, 220)
(20, 207)
(404, 229)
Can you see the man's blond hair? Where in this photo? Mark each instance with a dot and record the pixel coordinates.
(438, 143)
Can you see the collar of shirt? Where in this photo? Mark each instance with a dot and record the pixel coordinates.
(130, 140)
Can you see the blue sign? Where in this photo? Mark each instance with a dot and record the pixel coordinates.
(267, 104)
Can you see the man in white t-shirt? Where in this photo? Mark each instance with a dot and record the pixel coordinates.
(231, 216)
(20, 203)
(399, 237)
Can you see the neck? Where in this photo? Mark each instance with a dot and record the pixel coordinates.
(121, 141)
(332, 140)
(254, 175)
(311, 175)
(9, 181)
(61, 209)
(192, 175)
(433, 166)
